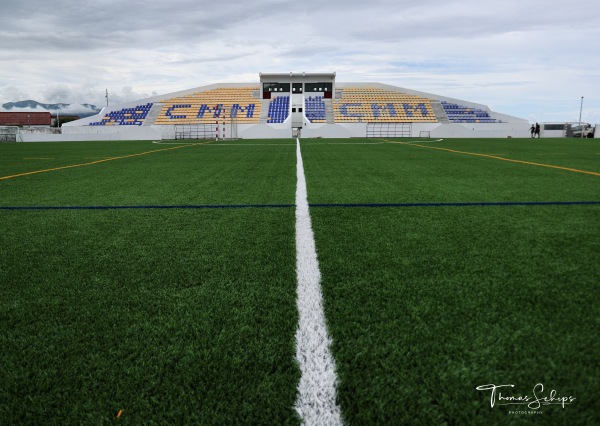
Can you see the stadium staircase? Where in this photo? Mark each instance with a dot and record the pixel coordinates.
(153, 114)
(264, 111)
(439, 111)
(329, 111)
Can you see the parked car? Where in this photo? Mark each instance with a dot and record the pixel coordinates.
(588, 131)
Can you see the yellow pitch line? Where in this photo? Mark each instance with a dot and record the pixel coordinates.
(501, 158)
(93, 162)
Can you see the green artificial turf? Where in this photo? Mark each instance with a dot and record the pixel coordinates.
(394, 173)
(188, 315)
(173, 316)
(187, 175)
(424, 304)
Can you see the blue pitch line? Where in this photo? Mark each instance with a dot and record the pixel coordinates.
(268, 206)
(469, 204)
(189, 207)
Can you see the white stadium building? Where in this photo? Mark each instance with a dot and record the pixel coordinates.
(282, 105)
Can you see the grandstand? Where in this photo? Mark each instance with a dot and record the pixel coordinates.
(125, 117)
(205, 107)
(378, 105)
(286, 104)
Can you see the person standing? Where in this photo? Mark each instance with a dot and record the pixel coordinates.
(532, 130)
(537, 130)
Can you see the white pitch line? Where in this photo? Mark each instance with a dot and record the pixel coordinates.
(209, 144)
(250, 144)
(349, 143)
(413, 142)
(178, 143)
(316, 398)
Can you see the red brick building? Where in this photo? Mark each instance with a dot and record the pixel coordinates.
(25, 119)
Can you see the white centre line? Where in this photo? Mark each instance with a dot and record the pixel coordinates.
(316, 398)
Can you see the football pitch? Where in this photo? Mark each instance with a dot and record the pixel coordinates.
(155, 283)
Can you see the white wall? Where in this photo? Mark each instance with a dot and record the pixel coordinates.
(334, 130)
(437, 130)
(97, 133)
(488, 130)
(284, 130)
(264, 131)
(551, 133)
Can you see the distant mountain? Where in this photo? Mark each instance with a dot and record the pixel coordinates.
(82, 110)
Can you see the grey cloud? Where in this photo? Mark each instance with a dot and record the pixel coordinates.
(12, 93)
(112, 23)
(58, 94)
(91, 94)
(204, 59)
(35, 41)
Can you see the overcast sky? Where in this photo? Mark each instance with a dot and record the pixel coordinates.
(534, 59)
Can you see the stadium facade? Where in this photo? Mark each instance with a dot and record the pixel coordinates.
(282, 105)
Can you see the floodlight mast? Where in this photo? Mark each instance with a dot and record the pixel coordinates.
(580, 110)
(106, 96)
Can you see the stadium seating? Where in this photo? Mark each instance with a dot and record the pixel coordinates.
(212, 105)
(462, 114)
(356, 105)
(314, 108)
(279, 109)
(362, 105)
(125, 117)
